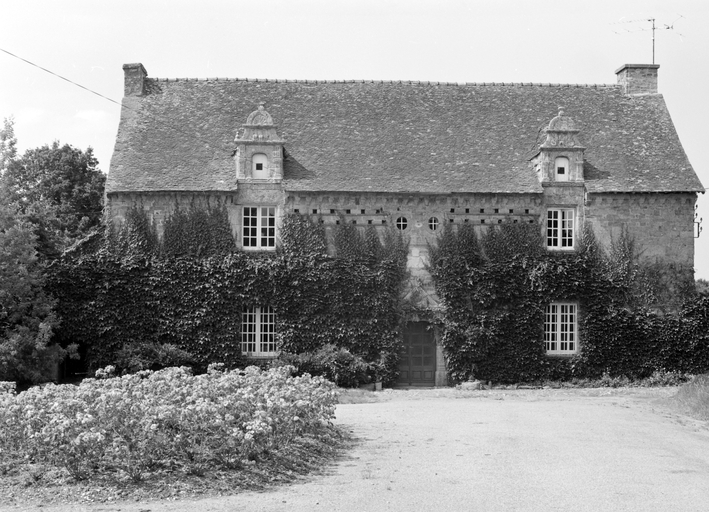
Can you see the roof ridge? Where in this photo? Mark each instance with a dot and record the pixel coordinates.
(398, 82)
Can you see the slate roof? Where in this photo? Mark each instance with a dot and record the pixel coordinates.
(394, 136)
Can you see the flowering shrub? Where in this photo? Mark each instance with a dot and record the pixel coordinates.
(166, 419)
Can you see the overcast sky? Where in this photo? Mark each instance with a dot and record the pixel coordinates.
(88, 41)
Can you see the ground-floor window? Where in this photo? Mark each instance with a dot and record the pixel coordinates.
(560, 328)
(258, 332)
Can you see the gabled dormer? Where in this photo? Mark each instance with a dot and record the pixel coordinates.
(561, 155)
(259, 150)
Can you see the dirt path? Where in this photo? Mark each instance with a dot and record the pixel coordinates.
(545, 450)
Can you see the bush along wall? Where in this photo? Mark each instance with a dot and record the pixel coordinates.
(495, 288)
(137, 295)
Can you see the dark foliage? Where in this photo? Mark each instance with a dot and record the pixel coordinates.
(59, 189)
(495, 289)
(142, 295)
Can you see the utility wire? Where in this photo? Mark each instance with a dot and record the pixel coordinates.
(175, 128)
(63, 78)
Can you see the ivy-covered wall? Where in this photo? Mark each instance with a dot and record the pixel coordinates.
(138, 288)
(495, 288)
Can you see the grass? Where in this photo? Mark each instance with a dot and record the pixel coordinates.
(694, 397)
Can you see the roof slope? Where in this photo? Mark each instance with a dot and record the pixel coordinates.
(394, 137)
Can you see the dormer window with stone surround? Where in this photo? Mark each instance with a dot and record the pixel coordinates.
(561, 155)
(259, 150)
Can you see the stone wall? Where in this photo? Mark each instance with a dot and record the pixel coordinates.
(662, 225)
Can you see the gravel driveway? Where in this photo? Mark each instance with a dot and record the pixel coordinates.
(532, 450)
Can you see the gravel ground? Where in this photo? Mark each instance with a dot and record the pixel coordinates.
(499, 450)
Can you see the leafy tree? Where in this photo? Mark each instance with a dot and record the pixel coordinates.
(8, 144)
(702, 286)
(59, 189)
(26, 312)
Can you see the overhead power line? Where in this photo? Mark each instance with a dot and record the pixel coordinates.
(63, 78)
(170, 126)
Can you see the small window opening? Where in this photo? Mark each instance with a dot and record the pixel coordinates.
(511, 210)
(315, 210)
(562, 168)
(362, 212)
(482, 221)
(482, 210)
(452, 210)
(260, 171)
(433, 223)
(496, 210)
(296, 210)
(369, 221)
(332, 212)
(402, 223)
(526, 211)
(467, 210)
(348, 211)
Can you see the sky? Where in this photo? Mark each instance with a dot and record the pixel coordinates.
(88, 41)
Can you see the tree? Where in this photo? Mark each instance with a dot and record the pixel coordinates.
(27, 316)
(59, 189)
(702, 286)
(8, 144)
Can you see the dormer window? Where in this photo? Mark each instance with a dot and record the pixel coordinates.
(561, 164)
(260, 167)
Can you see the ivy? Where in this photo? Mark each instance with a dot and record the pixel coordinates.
(134, 294)
(494, 290)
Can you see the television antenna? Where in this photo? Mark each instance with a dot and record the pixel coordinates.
(653, 27)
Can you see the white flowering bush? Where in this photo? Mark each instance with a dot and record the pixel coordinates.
(167, 419)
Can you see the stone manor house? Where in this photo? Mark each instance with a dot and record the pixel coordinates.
(414, 155)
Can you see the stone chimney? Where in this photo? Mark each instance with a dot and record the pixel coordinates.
(134, 79)
(638, 78)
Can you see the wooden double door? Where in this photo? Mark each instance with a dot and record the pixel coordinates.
(417, 366)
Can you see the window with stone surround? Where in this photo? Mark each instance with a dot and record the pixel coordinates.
(560, 328)
(560, 229)
(258, 231)
(258, 332)
(561, 168)
(260, 167)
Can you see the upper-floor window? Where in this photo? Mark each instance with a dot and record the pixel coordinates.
(258, 332)
(560, 228)
(260, 167)
(561, 168)
(259, 228)
(560, 329)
